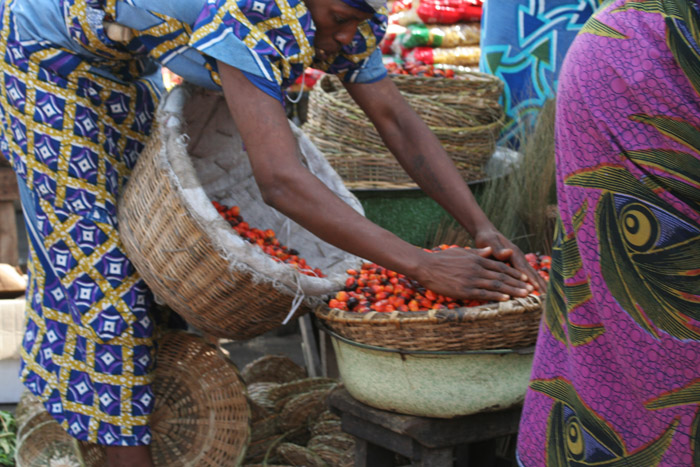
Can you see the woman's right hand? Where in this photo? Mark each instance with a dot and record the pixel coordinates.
(470, 274)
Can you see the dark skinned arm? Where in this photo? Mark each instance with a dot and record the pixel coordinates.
(420, 153)
(290, 188)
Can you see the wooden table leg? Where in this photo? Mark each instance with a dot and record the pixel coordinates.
(371, 455)
(435, 458)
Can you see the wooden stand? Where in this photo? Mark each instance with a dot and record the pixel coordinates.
(425, 441)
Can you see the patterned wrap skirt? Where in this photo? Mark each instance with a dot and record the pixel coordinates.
(72, 127)
(616, 376)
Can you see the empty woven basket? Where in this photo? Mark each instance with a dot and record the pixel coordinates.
(201, 415)
(188, 255)
(466, 124)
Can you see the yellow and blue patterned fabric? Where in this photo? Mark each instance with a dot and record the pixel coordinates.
(76, 109)
(73, 137)
(271, 41)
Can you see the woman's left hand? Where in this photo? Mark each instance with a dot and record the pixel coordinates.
(504, 250)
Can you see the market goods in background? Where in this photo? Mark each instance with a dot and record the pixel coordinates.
(418, 69)
(454, 35)
(266, 240)
(467, 55)
(374, 288)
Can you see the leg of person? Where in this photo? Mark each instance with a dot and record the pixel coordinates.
(73, 138)
(128, 456)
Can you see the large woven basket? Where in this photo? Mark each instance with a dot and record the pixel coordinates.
(504, 325)
(467, 128)
(201, 415)
(188, 255)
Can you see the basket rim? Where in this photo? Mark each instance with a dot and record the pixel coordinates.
(362, 345)
(465, 314)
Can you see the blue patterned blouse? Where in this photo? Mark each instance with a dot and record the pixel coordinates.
(271, 41)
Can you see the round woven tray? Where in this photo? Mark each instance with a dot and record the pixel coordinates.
(466, 126)
(188, 255)
(504, 325)
(201, 416)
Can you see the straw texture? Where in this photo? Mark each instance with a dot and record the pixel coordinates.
(503, 325)
(272, 368)
(201, 415)
(463, 114)
(188, 255)
(40, 439)
(300, 456)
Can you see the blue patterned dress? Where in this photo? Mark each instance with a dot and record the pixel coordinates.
(75, 111)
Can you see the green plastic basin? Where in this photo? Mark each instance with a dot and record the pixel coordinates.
(433, 384)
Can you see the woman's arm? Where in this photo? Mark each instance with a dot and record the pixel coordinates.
(290, 188)
(420, 153)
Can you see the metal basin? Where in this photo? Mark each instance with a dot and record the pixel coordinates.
(433, 384)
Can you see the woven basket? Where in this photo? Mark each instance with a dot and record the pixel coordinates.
(265, 428)
(281, 394)
(43, 442)
(257, 411)
(40, 439)
(200, 416)
(504, 325)
(300, 456)
(272, 368)
(188, 254)
(326, 427)
(466, 126)
(299, 410)
(469, 83)
(332, 456)
(340, 441)
(260, 394)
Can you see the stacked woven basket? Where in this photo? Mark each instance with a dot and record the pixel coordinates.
(464, 114)
(291, 424)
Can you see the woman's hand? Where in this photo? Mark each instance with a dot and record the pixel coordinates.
(504, 250)
(470, 274)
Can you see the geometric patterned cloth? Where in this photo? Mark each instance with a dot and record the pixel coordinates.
(271, 41)
(75, 111)
(523, 43)
(72, 138)
(616, 374)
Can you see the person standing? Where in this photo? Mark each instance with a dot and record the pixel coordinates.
(616, 378)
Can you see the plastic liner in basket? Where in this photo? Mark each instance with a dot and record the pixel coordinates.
(188, 255)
